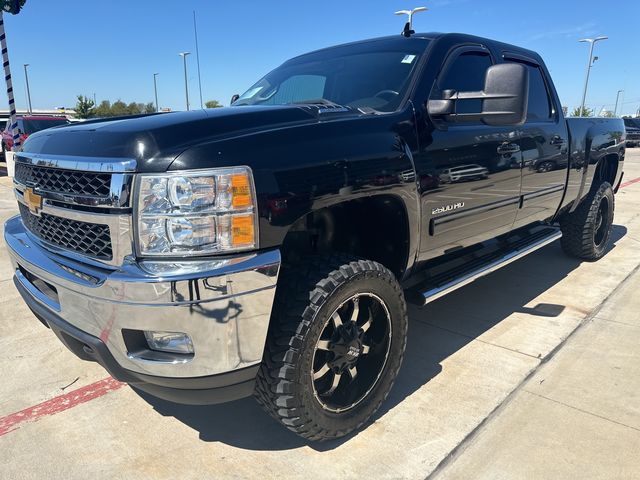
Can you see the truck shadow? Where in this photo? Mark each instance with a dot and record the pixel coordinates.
(437, 331)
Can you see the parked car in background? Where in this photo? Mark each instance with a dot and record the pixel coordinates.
(463, 173)
(28, 125)
(632, 125)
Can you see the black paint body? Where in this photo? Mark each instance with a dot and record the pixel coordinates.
(304, 161)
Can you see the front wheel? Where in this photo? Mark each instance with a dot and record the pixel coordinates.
(586, 232)
(335, 345)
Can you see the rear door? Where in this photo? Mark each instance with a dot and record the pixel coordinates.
(544, 142)
(469, 173)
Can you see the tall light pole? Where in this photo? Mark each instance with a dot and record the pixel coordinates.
(186, 80)
(26, 76)
(155, 89)
(615, 110)
(195, 32)
(592, 42)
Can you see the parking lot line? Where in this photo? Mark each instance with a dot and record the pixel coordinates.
(58, 404)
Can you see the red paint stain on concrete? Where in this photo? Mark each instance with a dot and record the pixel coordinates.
(58, 404)
(630, 182)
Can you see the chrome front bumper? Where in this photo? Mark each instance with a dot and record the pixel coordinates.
(223, 305)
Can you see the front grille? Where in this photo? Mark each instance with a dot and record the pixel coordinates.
(85, 238)
(69, 182)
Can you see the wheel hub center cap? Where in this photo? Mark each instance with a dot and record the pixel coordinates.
(346, 347)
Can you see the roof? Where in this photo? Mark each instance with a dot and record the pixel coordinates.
(460, 37)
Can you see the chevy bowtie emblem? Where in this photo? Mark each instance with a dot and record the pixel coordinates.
(33, 200)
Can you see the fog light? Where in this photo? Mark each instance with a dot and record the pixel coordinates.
(173, 342)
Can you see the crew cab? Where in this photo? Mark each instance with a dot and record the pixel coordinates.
(27, 125)
(270, 248)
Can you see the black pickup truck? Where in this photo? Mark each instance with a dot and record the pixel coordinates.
(269, 248)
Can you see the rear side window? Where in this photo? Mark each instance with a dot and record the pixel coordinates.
(539, 102)
(465, 74)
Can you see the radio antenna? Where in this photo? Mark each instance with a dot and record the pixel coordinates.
(408, 28)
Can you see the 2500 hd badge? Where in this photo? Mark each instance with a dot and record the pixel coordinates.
(447, 208)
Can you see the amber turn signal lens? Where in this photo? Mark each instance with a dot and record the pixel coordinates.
(240, 191)
(242, 230)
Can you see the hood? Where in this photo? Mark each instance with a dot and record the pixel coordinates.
(154, 141)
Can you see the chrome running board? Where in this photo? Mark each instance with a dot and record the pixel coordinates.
(446, 282)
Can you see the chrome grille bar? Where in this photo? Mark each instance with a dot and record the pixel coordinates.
(63, 206)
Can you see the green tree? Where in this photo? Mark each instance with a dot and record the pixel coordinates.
(586, 112)
(115, 109)
(119, 109)
(135, 108)
(85, 107)
(213, 104)
(104, 109)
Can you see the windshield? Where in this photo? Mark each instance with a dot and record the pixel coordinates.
(632, 122)
(375, 76)
(30, 125)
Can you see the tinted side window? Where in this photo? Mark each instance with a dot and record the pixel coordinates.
(539, 102)
(465, 74)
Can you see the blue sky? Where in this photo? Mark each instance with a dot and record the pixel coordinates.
(112, 48)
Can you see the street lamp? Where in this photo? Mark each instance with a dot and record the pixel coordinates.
(26, 76)
(155, 88)
(592, 42)
(186, 82)
(615, 110)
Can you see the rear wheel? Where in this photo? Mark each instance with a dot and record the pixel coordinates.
(586, 232)
(335, 345)
(546, 167)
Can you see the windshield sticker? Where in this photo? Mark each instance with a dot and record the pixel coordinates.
(408, 59)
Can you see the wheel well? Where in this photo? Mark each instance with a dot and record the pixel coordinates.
(606, 171)
(375, 228)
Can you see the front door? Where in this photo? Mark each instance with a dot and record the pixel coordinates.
(469, 174)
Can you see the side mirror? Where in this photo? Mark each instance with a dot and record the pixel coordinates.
(234, 98)
(504, 98)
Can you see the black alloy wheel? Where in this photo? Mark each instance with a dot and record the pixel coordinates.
(586, 232)
(351, 353)
(335, 345)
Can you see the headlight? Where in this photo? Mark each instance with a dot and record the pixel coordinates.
(201, 212)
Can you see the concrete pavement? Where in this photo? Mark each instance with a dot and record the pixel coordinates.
(578, 416)
(467, 354)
